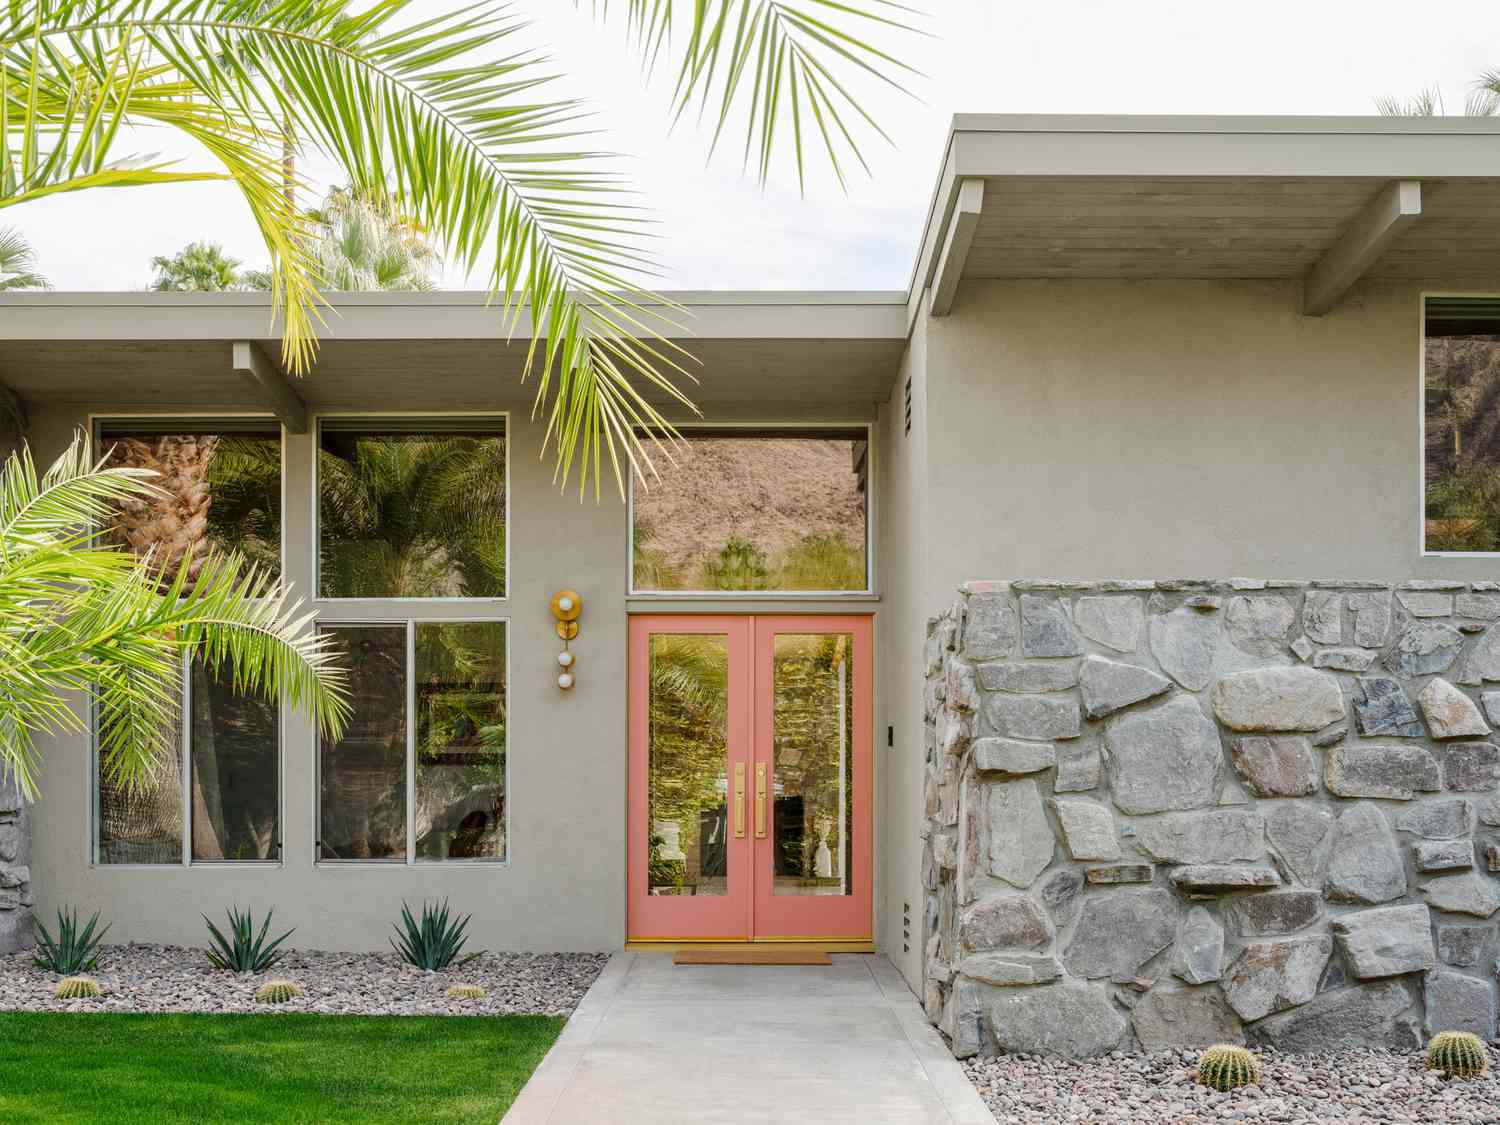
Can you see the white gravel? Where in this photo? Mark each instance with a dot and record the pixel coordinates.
(167, 978)
(1349, 1086)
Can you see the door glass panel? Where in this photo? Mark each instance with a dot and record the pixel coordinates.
(687, 785)
(812, 764)
(362, 776)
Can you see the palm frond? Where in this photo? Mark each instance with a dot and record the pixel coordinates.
(763, 58)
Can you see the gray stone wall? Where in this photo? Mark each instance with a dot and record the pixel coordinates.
(15, 869)
(1164, 814)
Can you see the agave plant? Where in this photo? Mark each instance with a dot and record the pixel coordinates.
(455, 122)
(435, 941)
(73, 950)
(244, 951)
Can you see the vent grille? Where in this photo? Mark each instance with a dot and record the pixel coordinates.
(908, 405)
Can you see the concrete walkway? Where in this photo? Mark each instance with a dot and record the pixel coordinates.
(660, 1044)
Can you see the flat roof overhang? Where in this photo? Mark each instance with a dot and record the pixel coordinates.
(1321, 200)
(815, 355)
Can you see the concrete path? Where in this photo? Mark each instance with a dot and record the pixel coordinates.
(660, 1044)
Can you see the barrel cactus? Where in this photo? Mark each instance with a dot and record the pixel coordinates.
(1226, 1067)
(77, 988)
(277, 992)
(1457, 1054)
(466, 992)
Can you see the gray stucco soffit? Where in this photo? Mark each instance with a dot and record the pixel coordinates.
(269, 383)
(1386, 218)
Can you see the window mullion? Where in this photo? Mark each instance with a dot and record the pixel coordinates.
(411, 742)
(185, 749)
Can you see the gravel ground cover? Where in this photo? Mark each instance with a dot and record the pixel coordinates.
(1348, 1086)
(165, 978)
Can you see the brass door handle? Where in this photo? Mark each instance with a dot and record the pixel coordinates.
(739, 800)
(760, 800)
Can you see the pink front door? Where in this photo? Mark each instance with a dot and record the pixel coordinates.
(750, 786)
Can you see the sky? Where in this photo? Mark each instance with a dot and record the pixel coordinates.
(718, 228)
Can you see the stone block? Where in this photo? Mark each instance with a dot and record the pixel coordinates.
(1275, 765)
(1450, 713)
(1023, 677)
(1465, 946)
(1021, 843)
(1443, 855)
(1185, 643)
(1483, 662)
(1198, 954)
(1259, 626)
(1485, 607)
(1274, 913)
(1112, 621)
(1041, 718)
(1120, 873)
(1165, 758)
(964, 1020)
(1277, 699)
(1009, 970)
(1323, 616)
(1068, 1019)
(1272, 976)
(1184, 1018)
(1469, 893)
(1108, 686)
(1344, 659)
(1060, 893)
(1012, 755)
(1045, 628)
(1424, 649)
(1005, 921)
(1459, 1003)
(1219, 836)
(1426, 603)
(990, 629)
(1381, 707)
(1366, 866)
(1119, 932)
(1372, 617)
(1302, 835)
(1380, 1014)
(1445, 819)
(1396, 773)
(1470, 767)
(1213, 879)
(1080, 767)
(1088, 829)
(1386, 941)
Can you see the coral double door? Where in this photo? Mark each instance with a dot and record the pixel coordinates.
(749, 782)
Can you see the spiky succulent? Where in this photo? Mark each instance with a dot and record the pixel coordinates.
(78, 988)
(466, 992)
(277, 992)
(1457, 1053)
(1227, 1067)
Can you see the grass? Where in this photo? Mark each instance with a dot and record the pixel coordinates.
(137, 1068)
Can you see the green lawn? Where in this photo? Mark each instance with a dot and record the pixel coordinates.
(123, 1069)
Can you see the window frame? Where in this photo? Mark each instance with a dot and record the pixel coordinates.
(315, 537)
(767, 429)
(204, 423)
(1422, 298)
(409, 860)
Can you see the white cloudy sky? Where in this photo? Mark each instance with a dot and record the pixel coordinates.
(722, 231)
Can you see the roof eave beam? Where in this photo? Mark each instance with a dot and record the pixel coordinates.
(1385, 219)
(960, 237)
(270, 384)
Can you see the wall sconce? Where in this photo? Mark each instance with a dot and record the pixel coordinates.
(566, 606)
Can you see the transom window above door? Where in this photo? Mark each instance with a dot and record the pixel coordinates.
(411, 508)
(755, 510)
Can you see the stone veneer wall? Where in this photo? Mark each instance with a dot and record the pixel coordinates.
(1164, 814)
(15, 870)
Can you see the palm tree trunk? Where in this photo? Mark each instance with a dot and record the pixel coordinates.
(174, 522)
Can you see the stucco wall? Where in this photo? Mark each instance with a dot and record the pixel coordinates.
(563, 887)
(1088, 429)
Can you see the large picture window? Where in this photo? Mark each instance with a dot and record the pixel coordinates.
(1461, 425)
(745, 510)
(411, 509)
(420, 775)
(217, 799)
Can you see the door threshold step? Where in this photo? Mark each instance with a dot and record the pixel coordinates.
(750, 955)
(660, 945)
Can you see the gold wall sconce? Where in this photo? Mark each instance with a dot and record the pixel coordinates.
(566, 607)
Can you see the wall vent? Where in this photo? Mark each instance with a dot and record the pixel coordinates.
(908, 405)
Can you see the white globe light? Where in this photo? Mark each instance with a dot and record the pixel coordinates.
(565, 604)
(565, 658)
(565, 680)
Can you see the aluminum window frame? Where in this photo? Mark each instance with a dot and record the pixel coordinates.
(410, 860)
(96, 422)
(412, 417)
(1422, 298)
(768, 429)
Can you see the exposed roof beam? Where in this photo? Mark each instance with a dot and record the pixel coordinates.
(1398, 205)
(13, 411)
(267, 379)
(961, 227)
